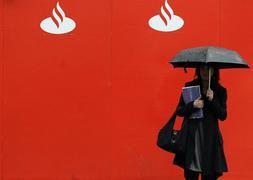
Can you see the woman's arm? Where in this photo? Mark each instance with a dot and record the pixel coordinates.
(219, 106)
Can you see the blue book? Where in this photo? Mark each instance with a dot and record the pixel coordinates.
(190, 93)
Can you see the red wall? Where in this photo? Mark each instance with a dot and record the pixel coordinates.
(89, 104)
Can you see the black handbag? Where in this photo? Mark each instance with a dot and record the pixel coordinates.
(173, 140)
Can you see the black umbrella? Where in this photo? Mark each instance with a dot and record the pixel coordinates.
(208, 55)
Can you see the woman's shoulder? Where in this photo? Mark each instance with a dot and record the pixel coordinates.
(221, 88)
(218, 85)
(192, 82)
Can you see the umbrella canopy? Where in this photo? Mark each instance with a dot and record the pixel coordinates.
(209, 55)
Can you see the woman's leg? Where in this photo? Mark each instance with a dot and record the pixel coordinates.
(209, 177)
(191, 175)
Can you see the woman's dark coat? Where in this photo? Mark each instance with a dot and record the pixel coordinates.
(214, 160)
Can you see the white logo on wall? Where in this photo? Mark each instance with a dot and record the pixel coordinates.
(58, 23)
(171, 21)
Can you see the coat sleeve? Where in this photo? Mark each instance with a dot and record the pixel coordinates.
(185, 110)
(219, 105)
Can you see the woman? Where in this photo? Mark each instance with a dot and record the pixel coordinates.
(204, 148)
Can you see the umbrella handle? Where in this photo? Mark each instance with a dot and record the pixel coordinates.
(209, 79)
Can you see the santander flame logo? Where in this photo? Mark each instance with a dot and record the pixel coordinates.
(168, 21)
(58, 23)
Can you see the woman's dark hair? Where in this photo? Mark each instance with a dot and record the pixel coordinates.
(215, 76)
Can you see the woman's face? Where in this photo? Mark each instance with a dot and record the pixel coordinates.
(204, 70)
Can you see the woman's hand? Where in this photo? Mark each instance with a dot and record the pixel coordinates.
(198, 103)
(209, 94)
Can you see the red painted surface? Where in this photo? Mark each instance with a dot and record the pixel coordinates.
(89, 104)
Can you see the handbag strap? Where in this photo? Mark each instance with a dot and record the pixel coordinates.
(173, 119)
(170, 123)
